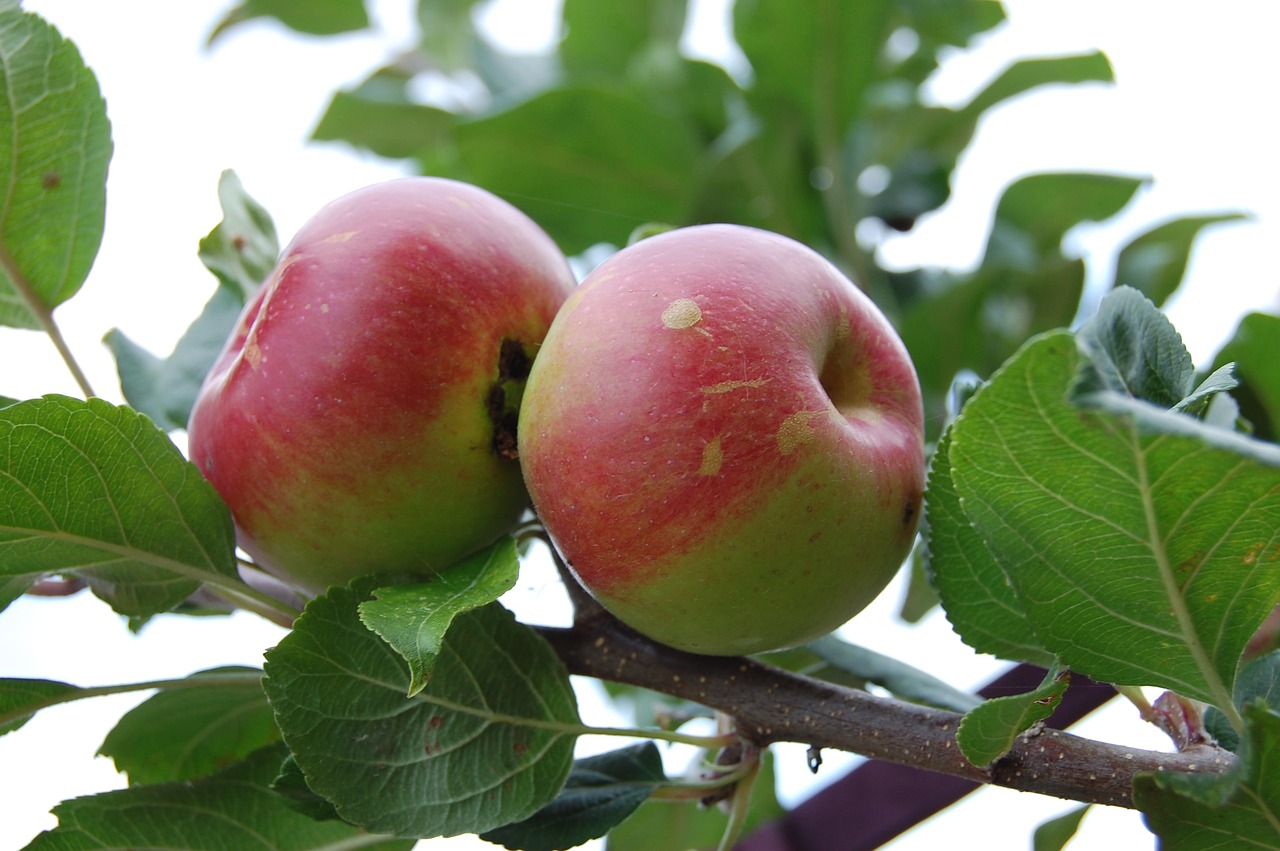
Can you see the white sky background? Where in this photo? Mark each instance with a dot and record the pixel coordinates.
(1191, 108)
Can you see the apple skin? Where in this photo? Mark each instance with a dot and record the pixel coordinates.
(349, 423)
(724, 439)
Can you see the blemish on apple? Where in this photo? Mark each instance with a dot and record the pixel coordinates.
(795, 432)
(252, 352)
(682, 313)
(730, 386)
(712, 458)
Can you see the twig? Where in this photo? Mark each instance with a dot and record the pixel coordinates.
(772, 705)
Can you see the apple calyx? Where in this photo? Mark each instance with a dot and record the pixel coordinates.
(503, 401)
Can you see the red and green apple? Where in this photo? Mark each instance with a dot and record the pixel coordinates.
(361, 417)
(723, 437)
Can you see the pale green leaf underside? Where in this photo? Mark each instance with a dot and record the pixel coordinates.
(414, 618)
(988, 731)
(489, 741)
(54, 152)
(98, 490)
(1139, 557)
(243, 248)
(1237, 809)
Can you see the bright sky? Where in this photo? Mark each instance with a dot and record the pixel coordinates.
(1186, 110)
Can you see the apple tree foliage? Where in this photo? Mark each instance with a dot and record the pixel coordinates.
(1095, 506)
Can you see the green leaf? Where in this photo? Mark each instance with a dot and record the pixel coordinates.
(1027, 74)
(988, 731)
(939, 26)
(1034, 213)
(234, 808)
(488, 742)
(601, 791)
(1198, 401)
(920, 145)
(1131, 348)
(1182, 522)
(241, 252)
(896, 677)
(414, 618)
(1155, 261)
(601, 38)
(822, 56)
(920, 598)
(13, 587)
(185, 733)
(379, 116)
(243, 248)
(292, 786)
(513, 77)
(98, 490)
(166, 389)
(448, 32)
(1258, 680)
(1025, 285)
(1237, 809)
(759, 176)
(53, 169)
(1054, 834)
(673, 824)
(1001, 308)
(976, 595)
(21, 699)
(589, 164)
(1253, 349)
(305, 16)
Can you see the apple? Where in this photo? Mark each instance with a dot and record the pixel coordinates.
(724, 440)
(361, 417)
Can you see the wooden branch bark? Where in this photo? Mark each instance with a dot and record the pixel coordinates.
(772, 705)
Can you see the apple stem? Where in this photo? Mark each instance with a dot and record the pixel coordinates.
(258, 602)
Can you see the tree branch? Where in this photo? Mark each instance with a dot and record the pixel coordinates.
(772, 705)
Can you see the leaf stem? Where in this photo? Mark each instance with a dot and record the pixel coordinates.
(689, 790)
(707, 742)
(43, 314)
(193, 681)
(1134, 695)
(740, 805)
(231, 586)
(250, 599)
(1177, 598)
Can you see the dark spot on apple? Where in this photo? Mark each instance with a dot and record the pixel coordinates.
(504, 423)
(513, 362)
(909, 510)
(238, 242)
(503, 402)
